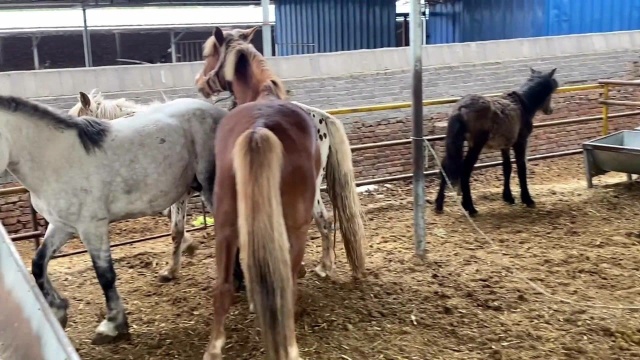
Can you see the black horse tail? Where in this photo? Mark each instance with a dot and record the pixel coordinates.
(454, 144)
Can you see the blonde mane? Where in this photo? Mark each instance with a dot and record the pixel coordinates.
(110, 109)
(259, 65)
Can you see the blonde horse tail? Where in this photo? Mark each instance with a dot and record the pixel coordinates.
(341, 186)
(264, 245)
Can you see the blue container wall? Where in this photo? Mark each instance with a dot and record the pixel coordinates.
(481, 20)
(316, 26)
(478, 20)
(565, 17)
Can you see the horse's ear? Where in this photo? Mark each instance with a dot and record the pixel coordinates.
(289, 92)
(219, 35)
(533, 71)
(248, 34)
(85, 101)
(552, 72)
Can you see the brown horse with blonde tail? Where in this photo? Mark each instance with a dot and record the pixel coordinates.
(267, 163)
(336, 161)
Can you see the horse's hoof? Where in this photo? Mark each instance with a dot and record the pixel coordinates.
(438, 211)
(509, 200)
(320, 270)
(165, 277)
(103, 339)
(531, 205)
(472, 212)
(63, 320)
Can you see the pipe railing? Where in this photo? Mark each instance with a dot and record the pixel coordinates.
(602, 84)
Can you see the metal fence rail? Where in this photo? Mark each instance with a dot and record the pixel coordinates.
(28, 328)
(603, 85)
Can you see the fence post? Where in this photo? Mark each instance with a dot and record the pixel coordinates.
(605, 110)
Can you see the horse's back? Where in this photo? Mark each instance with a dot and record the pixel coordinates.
(296, 132)
(499, 117)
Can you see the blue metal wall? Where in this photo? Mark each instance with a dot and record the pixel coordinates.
(315, 26)
(480, 20)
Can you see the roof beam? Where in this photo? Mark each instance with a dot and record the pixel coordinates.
(66, 4)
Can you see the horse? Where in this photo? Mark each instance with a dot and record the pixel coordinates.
(336, 162)
(95, 105)
(84, 173)
(267, 163)
(500, 123)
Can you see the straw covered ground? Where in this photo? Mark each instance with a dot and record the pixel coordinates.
(462, 302)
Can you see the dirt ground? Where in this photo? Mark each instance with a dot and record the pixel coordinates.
(460, 303)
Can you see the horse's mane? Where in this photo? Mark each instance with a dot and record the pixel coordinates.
(91, 131)
(208, 46)
(270, 82)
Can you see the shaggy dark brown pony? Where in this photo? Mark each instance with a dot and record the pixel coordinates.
(267, 162)
(495, 123)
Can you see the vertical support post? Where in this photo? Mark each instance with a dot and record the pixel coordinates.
(118, 48)
(1, 51)
(415, 36)
(86, 39)
(605, 110)
(34, 47)
(174, 57)
(267, 46)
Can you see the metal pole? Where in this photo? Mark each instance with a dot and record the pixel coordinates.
(34, 47)
(174, 58)
(415, 36)
(267, 47)
(118, 49)
(86, 39)
(605, 110)
(1, 51)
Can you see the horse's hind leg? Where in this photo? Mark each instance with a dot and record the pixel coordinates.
(54, 239)
(507, 196)
(182, 241)
(467, 168)
(441, 192)
(520, 151)
(226, 246)
(325, 225)
(115, 326)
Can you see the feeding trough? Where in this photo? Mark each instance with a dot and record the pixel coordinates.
(28, 328)
(619, 152)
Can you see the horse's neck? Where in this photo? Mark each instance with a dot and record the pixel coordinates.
(29, 142)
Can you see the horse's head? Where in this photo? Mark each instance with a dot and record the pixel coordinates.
(541, 86)
(212, 52)
(87, 104)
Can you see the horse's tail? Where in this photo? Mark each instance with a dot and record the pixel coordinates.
(264, 246)
(341, 186)
(454, 145)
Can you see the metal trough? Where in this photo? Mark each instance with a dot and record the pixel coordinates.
(28, 328)
(619, 152)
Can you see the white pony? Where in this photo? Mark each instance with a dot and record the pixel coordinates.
(84, 173)
(335, 154)
(95, 105)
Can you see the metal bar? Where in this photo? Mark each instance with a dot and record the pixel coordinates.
(34, 224)
(476, 167)
(267, 47)
(417, 132)
(619, 103)
(128, 242)
(34, 47)
(605, 110)
(118, 47)
(619, 82)
(1, 51)
(26, 236)
(86, 39)
(443, 101)
(174, 56)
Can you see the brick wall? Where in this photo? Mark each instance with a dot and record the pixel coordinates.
(439, 81)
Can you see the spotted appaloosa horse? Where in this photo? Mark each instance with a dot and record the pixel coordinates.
(95, 105)
(495, 123)
(84, 173)
(267, 163)
(336, 161)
